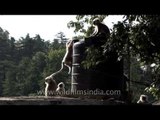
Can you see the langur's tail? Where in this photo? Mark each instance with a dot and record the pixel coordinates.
(69, 71)
(62, 65)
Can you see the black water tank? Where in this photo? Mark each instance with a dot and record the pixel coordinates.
(106, 76)
(79, 77)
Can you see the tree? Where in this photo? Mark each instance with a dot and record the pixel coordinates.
(62, 38)
(39, 62)
(25, 63)
(84, 24)
(54, 60)
(38, 44)
(6, 69)
(5, 56)
(4, 45)
(144, 44)
(27, 46)
(23, 74)
(10, 85)
(137, 36)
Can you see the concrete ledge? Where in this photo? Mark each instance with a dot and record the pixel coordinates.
(56, 100)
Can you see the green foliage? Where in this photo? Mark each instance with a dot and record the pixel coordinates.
(153, 90)
(54, 59)
(93, 57)
(82, 22)
(54, 64)
(10, 86)
(39, 61)
(136, 36)
(61, 37)
(145, 37)
(144, 43)
(84, 25)
(24, 64)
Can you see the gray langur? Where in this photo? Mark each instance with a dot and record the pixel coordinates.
(101, 29)
(51, 85)
(143, 99)
(61, 88)
(67, 59)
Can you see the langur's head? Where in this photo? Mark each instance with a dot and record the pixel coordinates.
(144, 98)
(61, 85)
(69, 44)
(48, 79)
(96, 21)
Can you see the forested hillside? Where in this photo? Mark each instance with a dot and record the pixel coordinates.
(24, 63)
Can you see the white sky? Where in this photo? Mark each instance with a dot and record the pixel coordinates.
(47, 26)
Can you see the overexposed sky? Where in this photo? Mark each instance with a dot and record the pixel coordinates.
(47, 26)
